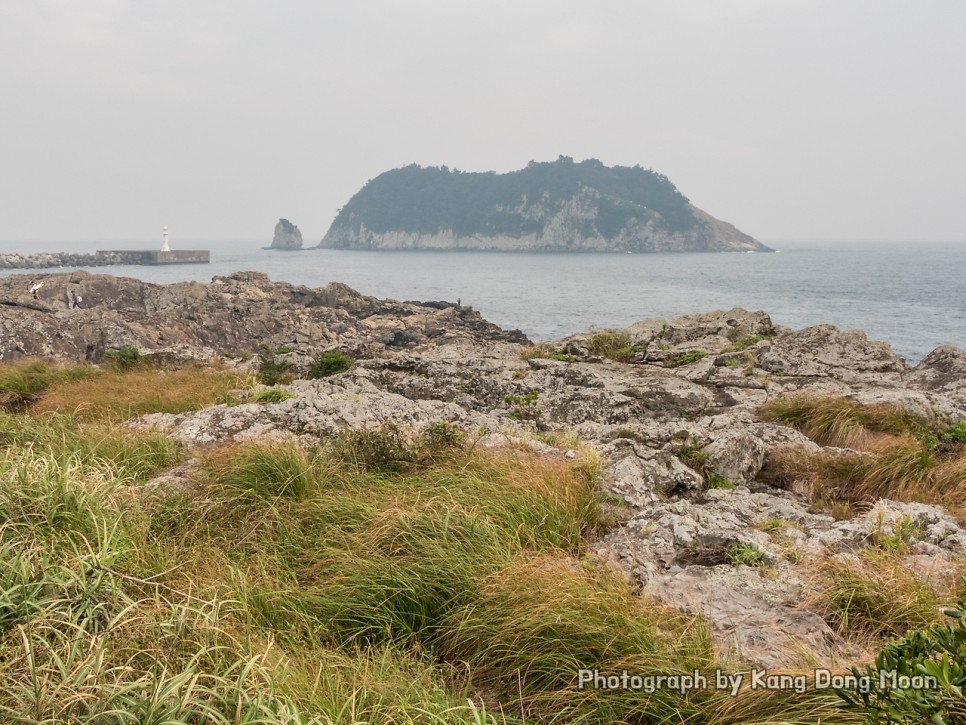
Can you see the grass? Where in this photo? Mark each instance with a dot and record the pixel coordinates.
(330, 363)
(741, 554)
(876, 596)
(299, 588)
(116, 395)
(840, 422)
(270, 395)
(614, 345)
(718, 482)
(380, 577)
(896, 456)
(743, 343)
(21, 383)
(694, 457)
(685, 358)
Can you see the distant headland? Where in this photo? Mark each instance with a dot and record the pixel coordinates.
(558, 206)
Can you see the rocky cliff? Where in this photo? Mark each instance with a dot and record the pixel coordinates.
(287, 236)
(547, 207)
(709, 514)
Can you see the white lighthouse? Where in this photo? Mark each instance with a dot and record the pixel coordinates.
(165, 247)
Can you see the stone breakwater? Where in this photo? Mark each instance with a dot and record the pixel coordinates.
(48, 260)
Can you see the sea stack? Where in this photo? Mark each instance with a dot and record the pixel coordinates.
(287, 236)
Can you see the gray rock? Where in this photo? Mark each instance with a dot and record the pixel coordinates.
(287, 236)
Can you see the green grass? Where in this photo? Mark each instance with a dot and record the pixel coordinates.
(745, 554)
(270, 395)
(381, 577)
(21, 383)
(685, 358)
(839, 421)
(614, 345)
(743, 343)
(330, 363)
(718, 482)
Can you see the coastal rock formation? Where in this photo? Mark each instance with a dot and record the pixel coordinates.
(287, 236)
(546, 207)
(704, 521)
(234, 314)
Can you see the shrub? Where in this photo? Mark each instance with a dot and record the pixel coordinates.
(272, 371)
(386, 449)
(938, 653)
(329, 363)
(123, 358)
(440, 434)
(524, 406)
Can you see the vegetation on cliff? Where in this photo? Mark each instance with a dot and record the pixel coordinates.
(434, 199)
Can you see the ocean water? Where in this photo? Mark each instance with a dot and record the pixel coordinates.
(912, 295)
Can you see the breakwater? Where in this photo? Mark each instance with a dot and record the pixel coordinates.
(46, 260)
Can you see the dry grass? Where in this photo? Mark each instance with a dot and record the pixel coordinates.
(896, 456)
(23, 381)
(902, 471)
(614, 345)
(877, 596)
(840, 422)
(119, 395)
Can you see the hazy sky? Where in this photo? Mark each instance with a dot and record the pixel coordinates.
(793, 119)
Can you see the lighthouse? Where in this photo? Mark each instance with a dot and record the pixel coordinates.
(165, 247)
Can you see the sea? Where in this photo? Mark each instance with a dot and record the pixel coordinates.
(911, 294)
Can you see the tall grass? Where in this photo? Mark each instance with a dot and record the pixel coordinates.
(898, 459)
(877, 596)
(840, 422)
(22, 382)
(614, 345)
(119, 394)
(327, 585)
(129, 453)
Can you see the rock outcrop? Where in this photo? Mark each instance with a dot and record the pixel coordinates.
(287, 236)
(235, 314)
(691, 383)
(551, 207)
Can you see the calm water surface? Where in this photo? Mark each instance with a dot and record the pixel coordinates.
(910, 294)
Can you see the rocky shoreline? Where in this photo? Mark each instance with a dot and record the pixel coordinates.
(670, 406)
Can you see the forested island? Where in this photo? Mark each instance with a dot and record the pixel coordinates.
(558, 206)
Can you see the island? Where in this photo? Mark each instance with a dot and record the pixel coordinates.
(558, 206)
(287, 236)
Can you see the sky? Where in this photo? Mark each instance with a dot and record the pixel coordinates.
(792, 119)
